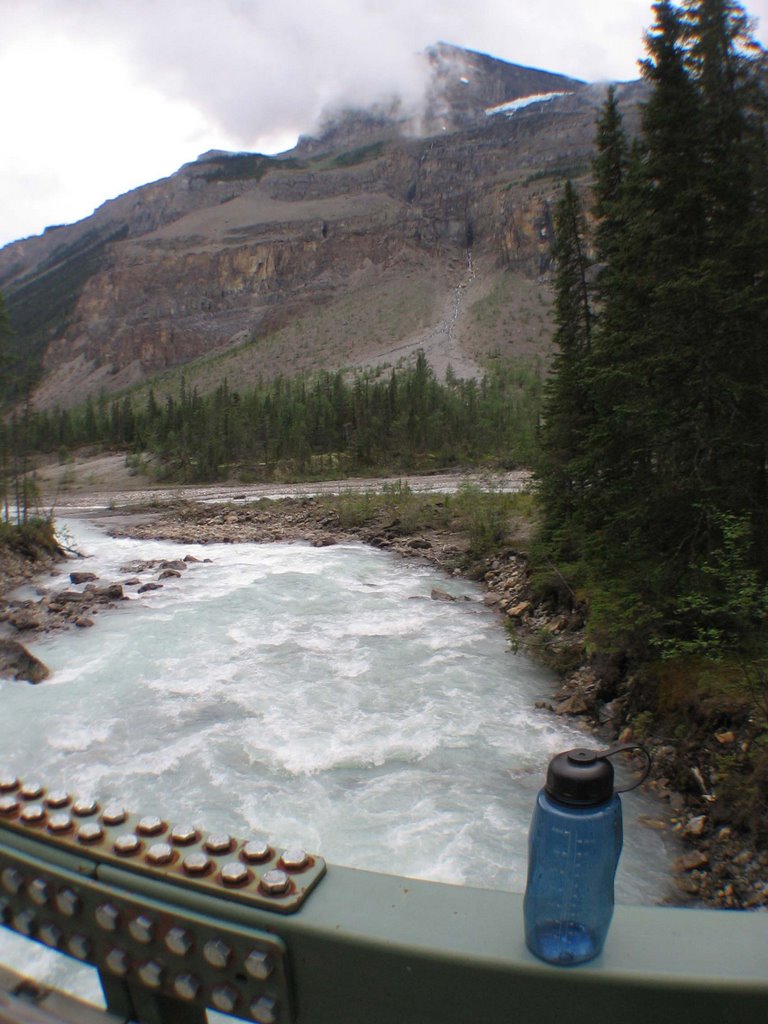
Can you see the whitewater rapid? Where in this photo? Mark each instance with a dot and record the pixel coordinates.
(315, 696)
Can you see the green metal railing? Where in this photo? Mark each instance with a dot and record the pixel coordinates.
(177, 920)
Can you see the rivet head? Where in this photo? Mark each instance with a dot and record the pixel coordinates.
(12, 880)
(67, 902)
(39, 891)
(218, 843)
(24, 922)
(107, 917)
(256, 850)
(275, 882)
(90, 833)
(264, 1010)
(235, 873)
(117, 961)
(224, 998)
(259, 965)
(8, 782)
(79, 946)
(59, 823)
(33, 814)
(127, 844)
(196, 863)
(57, 798)
(186, 986)
(160, 853)
(51, 935)
(31, 791)
(114, 814)
(150, 826)
(151, 974)
(8, 805)
(217, 953)
(183, 835)
(142, 928)
(294, 859)
(84, 807)
(178, 941)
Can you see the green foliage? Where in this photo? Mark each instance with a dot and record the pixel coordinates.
(654, 472)
(359, 155)
(33, 538)
(243, 166)
(314, 427)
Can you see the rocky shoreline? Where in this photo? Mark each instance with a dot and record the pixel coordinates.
(719, 867)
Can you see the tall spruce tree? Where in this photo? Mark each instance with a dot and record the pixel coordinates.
(568, 404)
(678, 367)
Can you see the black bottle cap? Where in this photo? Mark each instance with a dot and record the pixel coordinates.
(581, 778)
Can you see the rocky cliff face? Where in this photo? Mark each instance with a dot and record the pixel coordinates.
(354, 249)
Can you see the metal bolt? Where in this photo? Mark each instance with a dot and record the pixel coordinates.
(256, 850)
(39, 891)
(8, 782)
(127, 844)
(178, 941)
(79, 946)
(196, 863)
(294, 859)
(259, 965)
(90, 833)
(8, 805)
(150, 826)
(224, 998)
(275, 882)
(219, 843)
(235, 873)
(33, 814)
(51, 935)
(117, 961)
(160, 853)
(151, 973)
(84, 807)
(114, 814)
(107, 917)
(59, 823)
(217, 953)
(57, 798)
(67, 902)
(183, 834)
(142, 928)
(186, 986)
(12, 880)
(31, 791)
(264, 1010)
(25, 922)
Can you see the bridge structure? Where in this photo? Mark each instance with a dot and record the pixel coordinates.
(177, 921)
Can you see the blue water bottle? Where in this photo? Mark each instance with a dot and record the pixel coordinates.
(573, 852)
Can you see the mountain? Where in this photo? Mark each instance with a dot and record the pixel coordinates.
(391, 230)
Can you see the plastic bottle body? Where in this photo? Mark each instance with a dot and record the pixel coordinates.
(573, 853)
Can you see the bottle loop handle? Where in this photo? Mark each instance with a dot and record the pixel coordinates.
(629, 746)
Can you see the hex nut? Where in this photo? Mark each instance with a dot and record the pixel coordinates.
(178, 941)
(25, 923)
(59, 823)
(8, 805)
(142, 928)
(235, 873)
(151, 974)
(58, 798)
(107, 917)
(8, 782)
(90, 833)
(264, 1010)
(114, 814)
(127, 844)
(12, 880)
(259, 965)
(184, 834)
(160, 853)
(217, 953)
(186, 986)
(224, 998)
(39, 891)
(150, 826)
(294, 859)
(256, 850)
(218, 843)
(84, 807)
(274, 882)
(51, 935)
(31, 791)
(117, 961)
(67, 902)
(79, 946)
(33, 814)
(196, 863)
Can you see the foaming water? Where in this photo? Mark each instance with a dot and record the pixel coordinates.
(316, 696)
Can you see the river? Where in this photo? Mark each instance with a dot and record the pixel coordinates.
(315, 696)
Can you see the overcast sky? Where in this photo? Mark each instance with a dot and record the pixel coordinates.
(101, 96)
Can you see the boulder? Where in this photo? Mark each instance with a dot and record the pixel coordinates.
(441, 595)
(82, 577)
(149, 586)
(17, 663)
(167, 574)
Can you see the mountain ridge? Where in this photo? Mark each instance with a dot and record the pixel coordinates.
(235, 250)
